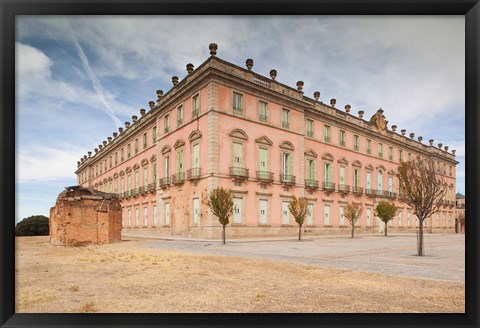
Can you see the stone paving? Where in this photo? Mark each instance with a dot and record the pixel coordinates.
(393, 255)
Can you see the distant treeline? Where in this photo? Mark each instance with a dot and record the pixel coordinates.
(35, 225)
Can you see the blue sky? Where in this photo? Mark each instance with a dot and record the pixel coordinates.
(80, 78)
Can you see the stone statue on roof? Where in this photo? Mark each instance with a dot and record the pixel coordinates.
(379, 121)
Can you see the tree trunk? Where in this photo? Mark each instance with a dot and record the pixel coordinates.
(223, 234)
(420, 239)
(299, 231)
(353, 228)
(386, 228)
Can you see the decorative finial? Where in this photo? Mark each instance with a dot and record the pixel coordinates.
(109, 139)
(142, 111)
(347, 108)
(412, 135)
(134, 118)
(96, 150)
(333, 101)
(360, 113)
(446, 148)
(127, 124)
(316, 95)
(120, 129)
(453, 152)
(394, 128)
(175, 80)
(300, 85)
(115, 134)
(430, 142)
(189, 68)
(151, 104)
(249, 63)
(213, 49)
(403, 131)
(440, 145)
(90, 153)
(420, 139)
(104, 143)
(273, 74)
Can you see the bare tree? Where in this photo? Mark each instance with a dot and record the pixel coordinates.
(352, 213)
(298, 208)
(423, 190)
(385, 211)
(220, 202)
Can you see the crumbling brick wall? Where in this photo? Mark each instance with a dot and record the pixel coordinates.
(84, 216)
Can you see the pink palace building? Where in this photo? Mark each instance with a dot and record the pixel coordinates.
(224, 125)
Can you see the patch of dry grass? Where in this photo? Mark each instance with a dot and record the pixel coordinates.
(128, 277)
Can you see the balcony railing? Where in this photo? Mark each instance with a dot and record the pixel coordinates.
(127, 194)
(342, 143)
(344, 189)
(287, 179)
(152, 186)
(451, 202)
(382, 193)
(238, 110)
(370, 192)
(311, 184)
(166, 129)
(262, 118)
(195, 113)
(193, 174)
(164, 182)
(355, 147)
(369, 151)
(178, 178)
(264, 176)
(357, 190)
(179, 121)
(310, 134)
(238, 173)
(143, 189)
(328, 186)
(134, 192)
(285, 124)
(326, 139)
(121, 195)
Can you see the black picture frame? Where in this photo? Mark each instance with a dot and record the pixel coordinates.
(11, 8)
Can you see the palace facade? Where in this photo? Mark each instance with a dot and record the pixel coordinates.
(224, 125)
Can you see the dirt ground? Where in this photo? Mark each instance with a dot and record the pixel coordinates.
(128, 277)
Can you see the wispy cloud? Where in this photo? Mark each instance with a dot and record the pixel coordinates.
(97, 86)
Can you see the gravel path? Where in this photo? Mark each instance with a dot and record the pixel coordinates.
(392, 255)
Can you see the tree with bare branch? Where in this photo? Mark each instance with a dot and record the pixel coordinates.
(423, 190)
(352, 213)
(221, 204)
(298, 208)
(461, 220)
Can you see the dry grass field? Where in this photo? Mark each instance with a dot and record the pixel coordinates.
(129, 277)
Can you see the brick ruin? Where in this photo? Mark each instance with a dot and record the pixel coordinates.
(83, 216)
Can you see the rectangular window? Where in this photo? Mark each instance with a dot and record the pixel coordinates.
(115, 185)
(342, 217)
(328, 173)
(110, 162)
(309, 128)
(341, 179)
(136, 146)
(369, 146)
(145, 216)
(180, 161)
(343, 138)
(326, 133)
(356, 179)
(369, 216)
(195, 106)
(262, 159)
(368, 184)
(326, 215)
(196, 156)
(400, 156)
(121, 155)
(310, 218)
(285, 118)
(166, 123)
(400, 218)
(356, 142)
(166, 168)
(129, 218)
(408, 218)
(380, 150)
(179, 115)
(128, 151)
(129, 182)
(450, 170)
(285, 213)
(237, 103)
(155, 223)
(167, 214)
(154, 174)
(122, 184)
(311, 170)
(237, 215)
(287, 166)
(116, 159)
(137, 182)
(262, 111)
(136, 217)
(262, 211)
(145, 140)
(145, 178)
(390, 153)
(154, 134)
(390, 184)
(237, 154)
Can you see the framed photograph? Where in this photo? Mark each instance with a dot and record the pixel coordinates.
(248, 164)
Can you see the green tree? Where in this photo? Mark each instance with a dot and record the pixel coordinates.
(423, 190)
(461, 220)
(385, 211)
(352, 213)
(220, 202)
(35, 225)
(298, 208)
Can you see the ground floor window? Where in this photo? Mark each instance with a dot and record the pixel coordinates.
(145, 216)
(285, 215)
(263, 211)
(326, 215)
(167, 214)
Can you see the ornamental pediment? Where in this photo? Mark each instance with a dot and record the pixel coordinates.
(311, 153)
(264, 140)
(343, 160)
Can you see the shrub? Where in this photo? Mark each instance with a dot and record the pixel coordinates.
(35, 225)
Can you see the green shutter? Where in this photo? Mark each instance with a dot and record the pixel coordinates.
(330, 173)
(290, 164)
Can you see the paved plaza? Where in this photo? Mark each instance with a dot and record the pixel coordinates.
(393, 255)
